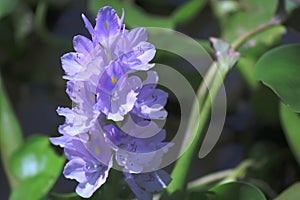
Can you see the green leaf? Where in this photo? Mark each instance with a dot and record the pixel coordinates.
(35, 157)
(10, 133)
(36, 166)
(70, 196)
(251, 53)
(242, 19)
(279, 69)
(33, 188)
(291, 124)
(188, 10)
(293, 192)
(134, 15)
(6, 6)
(236, 191)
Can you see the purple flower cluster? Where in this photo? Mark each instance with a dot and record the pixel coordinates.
(103, 84)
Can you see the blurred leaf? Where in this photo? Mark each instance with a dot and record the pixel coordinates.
(293, 192)
(236, 191)
(10, 133)
(188, 10)
(6, 6)
(291, 124)
(244, 19)
(35, 157)
(23, 22)
(33, 188)
(291, 5)
(36, 166)
(134, 15)
(226, 7)
(279, 69)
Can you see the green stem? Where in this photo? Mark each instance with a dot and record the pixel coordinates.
(205, 182)
(41, 29)
(241, 40)
(182, 166)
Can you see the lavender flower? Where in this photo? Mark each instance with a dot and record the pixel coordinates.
(103, 85)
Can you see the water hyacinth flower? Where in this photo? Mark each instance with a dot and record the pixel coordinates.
(103, 84)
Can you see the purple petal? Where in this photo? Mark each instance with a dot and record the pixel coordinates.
(108, 24)
(74, 169)
(82, 45)
(77, 121)
(71, 63)
(153, 181)
(60, 141)
(88, 25)
(124, 97)
(137, 35)
(110, 77)
(137, 190)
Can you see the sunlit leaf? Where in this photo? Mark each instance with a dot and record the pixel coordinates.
(36, 166)
(280, 70)
(291, 124)
(34, 157)
(293, 192)
(33, 188)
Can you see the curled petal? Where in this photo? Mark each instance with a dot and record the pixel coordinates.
(71, 63)
(82, 44)
(74, 169)
(76, 120)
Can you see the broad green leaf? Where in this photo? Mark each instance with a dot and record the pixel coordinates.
(134, 15)
(6, 6)
(37, 167)
(280, 70)
(291, 124)
(35, 157)
(10, 133)
(293, 192)
(33, 188)
(251, 53)
(236, 191)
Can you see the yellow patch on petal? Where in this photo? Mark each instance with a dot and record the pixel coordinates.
(106, 25)
(97, 151)
(92, 97)
(114, 80)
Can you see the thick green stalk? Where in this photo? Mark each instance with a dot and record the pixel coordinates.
(10, 134)
(182, 167)
(183, 164)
